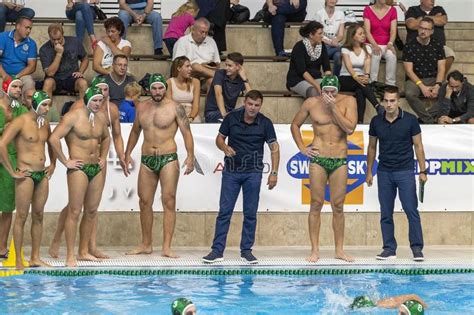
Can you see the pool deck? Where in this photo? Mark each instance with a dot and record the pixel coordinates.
(287, 257)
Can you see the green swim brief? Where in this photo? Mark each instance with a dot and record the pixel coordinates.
(329, 164)
(156, 162)
(38, 176)
(91, 170)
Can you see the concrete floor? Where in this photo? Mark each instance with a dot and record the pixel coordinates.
(448, 256)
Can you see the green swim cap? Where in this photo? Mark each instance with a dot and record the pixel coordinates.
(157, 78)
(98, 80)
(330, 81)
(39, 97)
(413, 307)
(362, 301)
(91, 93)
(180, 306)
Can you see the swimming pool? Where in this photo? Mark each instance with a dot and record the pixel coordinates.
(242, 292)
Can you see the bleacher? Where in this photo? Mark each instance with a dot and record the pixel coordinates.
(253, 40)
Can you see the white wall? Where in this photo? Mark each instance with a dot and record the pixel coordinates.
(458, 10)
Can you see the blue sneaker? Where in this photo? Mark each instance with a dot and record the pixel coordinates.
(249, 258)
(386, 255)
(212, 257)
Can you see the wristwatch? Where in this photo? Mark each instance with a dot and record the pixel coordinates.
(274, 173)
(424, 172)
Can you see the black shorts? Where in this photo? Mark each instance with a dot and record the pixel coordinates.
(66, 85)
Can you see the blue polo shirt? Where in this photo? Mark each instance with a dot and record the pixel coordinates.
(14, 59)
(247, 140)
(395, 141)
(231, 90)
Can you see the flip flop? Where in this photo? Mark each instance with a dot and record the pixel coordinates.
(4, 256)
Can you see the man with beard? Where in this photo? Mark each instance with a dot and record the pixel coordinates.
(10, 108)
(159, 118)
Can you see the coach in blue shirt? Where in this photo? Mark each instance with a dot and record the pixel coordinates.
(398, 132)
(247, 131)
(18, 53)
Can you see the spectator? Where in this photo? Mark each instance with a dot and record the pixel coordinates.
(356, 68)
(424, 62)
(110, 45)
(226, 87)
(455, 101)
(83, 16)
(217, 12)
(307, 58)
(179, 23)
(141, 11)
(200, 49)
(428, 9)
(333, 21)
(282, 11)
(18, 53)
(118, 78)
(11, 11)
(59, 58)
(133, 91)
(380, 24)
(184, 89)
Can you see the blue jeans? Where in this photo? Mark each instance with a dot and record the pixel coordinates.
(10, 15)
(334, 53)
(232, 182)
(154, 18)
(388, 182)
(84, 16)
(285, 13)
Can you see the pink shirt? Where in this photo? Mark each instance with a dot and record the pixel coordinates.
(380, 28)
(178, 26)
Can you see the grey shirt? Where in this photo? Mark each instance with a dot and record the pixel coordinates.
(458, 105)
(116, 89)
(73, 53)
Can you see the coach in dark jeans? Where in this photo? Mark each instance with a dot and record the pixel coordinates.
(282, 11)
(398, 132)
(247, 131)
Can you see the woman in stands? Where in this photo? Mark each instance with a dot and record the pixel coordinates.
(355, 70)
(333, 22)
(380, 24)
(184, 89)
(84, 15)
(110, 45)
(307, 58)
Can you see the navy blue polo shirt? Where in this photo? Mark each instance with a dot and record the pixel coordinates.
(395, 141)
(231, 90)
(247, 140)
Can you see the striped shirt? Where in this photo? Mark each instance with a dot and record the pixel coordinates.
(136, 4)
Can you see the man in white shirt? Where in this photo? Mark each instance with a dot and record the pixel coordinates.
(200, 49)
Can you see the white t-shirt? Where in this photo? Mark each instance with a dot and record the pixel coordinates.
(206, 52)
(108, 57)
(357, 61)
(331, 25)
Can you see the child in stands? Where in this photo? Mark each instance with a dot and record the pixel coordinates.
(179, 23)
(127, 106)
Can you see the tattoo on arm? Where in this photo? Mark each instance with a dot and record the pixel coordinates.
(182, 117)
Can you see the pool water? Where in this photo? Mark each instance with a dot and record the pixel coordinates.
(239, 294)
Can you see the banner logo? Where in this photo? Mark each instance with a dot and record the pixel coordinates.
(298, 167)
